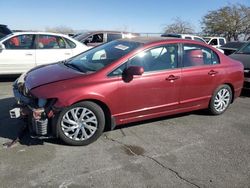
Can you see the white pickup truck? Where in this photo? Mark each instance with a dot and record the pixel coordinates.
(215, 41)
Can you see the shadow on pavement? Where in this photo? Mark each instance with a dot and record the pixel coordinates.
(11, 78)
(245, 93)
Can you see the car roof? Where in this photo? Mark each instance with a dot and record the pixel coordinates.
(39, 32)
(107, 31)
(148, 40)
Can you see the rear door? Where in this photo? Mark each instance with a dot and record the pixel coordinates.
(200, 74)
(51, 49)
(19, 54)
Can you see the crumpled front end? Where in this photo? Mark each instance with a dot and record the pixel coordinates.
(39, 112)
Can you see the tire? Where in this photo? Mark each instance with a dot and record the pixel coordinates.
(220, 100)
(81, 123)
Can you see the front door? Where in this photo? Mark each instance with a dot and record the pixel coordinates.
(19, 54)
(154, 93)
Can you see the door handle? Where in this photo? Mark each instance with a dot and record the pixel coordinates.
(67, 53)
(28, 54)
(171, 78)
(212, 72)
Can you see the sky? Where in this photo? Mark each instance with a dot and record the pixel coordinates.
(148, 16)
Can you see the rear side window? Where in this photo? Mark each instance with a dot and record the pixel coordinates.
(70, 43)
(20, 42)
(113, 36)
(50, 42)
(188, 38)
(196, 55)
(222, 42)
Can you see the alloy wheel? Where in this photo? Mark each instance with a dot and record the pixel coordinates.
(222, 99)
(79, 123)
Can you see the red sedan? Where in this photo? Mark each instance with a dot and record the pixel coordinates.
(125, 81)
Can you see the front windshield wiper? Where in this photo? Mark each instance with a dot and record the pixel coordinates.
(73, 66)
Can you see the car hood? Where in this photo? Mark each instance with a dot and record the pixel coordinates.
(243, 58)
(46, 74)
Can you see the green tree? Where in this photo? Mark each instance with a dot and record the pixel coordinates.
(179, 27)
(231, 21)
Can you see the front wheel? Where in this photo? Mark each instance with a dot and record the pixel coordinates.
(81, 123)
(220, 100)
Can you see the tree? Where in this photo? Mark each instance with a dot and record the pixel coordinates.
(179, 27)
(230, 21)
(60, 29)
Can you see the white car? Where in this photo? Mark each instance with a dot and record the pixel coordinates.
(215, 41)
(22, 51)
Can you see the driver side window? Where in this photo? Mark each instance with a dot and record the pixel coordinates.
(20, 42)
(157, 59)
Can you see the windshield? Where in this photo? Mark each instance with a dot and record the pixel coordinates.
(207, 39)
(80, 36)
(245, 49)
(101, 56)
(3, 38)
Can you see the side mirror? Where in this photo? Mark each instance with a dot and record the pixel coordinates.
(129, 73)
(134, 70)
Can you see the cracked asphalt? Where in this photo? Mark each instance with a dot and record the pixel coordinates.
(187, 150)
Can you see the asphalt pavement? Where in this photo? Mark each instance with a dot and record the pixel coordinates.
(188, 150)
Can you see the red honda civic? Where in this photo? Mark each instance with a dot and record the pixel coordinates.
(125, 81)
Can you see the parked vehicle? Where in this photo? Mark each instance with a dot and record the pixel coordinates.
(4, 30)
(243, 55)
(22, 51)
(184, 36)
(95, 38)
(136, 79)
(231, 47)
(215, 41)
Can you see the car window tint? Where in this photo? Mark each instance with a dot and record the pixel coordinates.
(20, 42)
(222, 42)
(113, 36)
(97, 38)
(70, 43)
(196, 55)
(50, 42)
(159, 58)
(245, 50)
(214, 42)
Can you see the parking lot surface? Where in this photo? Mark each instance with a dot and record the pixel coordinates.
(187, 150)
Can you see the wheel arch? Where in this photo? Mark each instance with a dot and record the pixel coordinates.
(109, 123)
(232, 88)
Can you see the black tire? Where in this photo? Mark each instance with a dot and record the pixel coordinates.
(99, 116)
(213, 109)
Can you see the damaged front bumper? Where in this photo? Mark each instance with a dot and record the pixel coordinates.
(39, 113)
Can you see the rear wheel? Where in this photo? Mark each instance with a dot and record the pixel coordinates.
(81, 123)
(220, 100)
